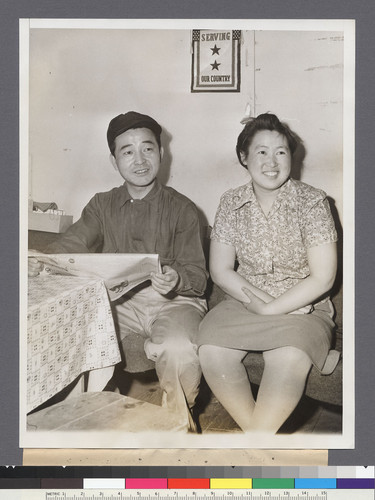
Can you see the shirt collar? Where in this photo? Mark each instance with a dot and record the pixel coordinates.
(246, 194)
(148, 198)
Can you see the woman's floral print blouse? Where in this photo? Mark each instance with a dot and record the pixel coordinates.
(272, 251)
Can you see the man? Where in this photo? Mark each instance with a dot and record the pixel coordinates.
(143, 216)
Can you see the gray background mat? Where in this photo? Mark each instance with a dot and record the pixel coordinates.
(363, 11)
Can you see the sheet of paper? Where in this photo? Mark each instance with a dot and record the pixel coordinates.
(120, 271)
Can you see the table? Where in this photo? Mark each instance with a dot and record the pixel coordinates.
(70, 331)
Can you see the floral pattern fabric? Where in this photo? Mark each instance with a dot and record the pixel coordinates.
(272, 251)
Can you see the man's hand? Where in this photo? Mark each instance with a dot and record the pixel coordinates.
(34, 266)
(166, 281)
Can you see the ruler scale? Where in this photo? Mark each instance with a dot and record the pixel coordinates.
(190, 495)
(173, 494)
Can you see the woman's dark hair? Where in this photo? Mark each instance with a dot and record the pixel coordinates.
(265, 121)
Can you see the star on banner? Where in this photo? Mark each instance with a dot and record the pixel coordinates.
(215, 65)
(215, 50)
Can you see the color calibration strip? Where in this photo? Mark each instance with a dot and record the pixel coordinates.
(231, 483)
(191, 484)
(269, 478)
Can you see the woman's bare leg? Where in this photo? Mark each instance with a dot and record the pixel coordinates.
(227, 377)
(281, 387)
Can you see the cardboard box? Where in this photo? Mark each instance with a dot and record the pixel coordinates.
(52, 223)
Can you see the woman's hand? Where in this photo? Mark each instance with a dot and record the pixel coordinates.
(255, 305)
(258, 306)
(303, 310)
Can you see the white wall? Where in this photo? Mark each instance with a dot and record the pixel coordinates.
(80, 79)
(300, 78)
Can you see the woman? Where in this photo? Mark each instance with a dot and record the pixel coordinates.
(282, 234)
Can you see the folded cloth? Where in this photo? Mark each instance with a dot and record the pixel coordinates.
(48, 205)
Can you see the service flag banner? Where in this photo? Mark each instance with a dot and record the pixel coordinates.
(216, 61)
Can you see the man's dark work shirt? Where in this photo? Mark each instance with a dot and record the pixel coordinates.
(163, 222)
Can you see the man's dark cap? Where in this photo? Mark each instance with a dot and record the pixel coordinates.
(124, 122)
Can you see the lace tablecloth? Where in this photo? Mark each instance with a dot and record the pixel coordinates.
(70, 330)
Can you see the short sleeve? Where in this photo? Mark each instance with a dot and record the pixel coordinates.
(319, 226)
(224, 229)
